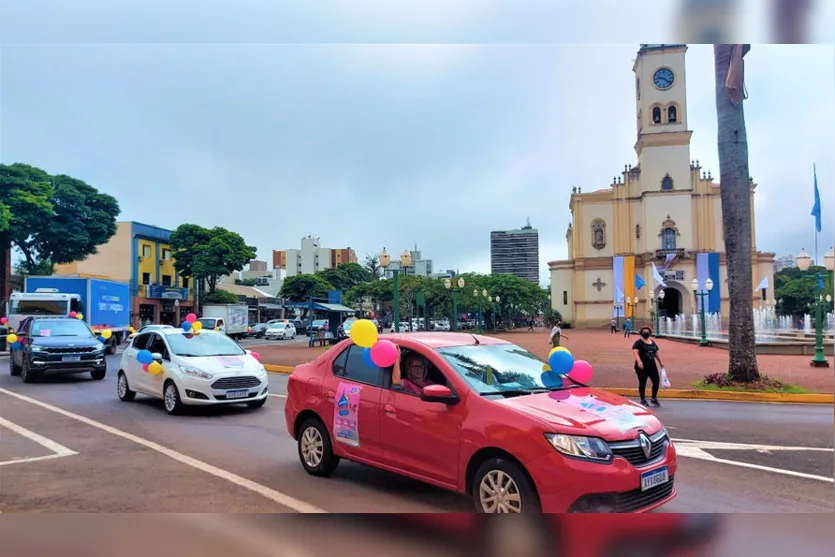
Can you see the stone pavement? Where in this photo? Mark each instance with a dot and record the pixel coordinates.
(612, 360)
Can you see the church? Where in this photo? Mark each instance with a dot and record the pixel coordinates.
(665, 211)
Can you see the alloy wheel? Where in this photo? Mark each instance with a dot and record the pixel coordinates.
(170, 397)
(313, 447)
(122, 385)
(498, 493)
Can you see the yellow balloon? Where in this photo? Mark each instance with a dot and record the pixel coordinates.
(155, 368)
(558, 349)
(11, 339)
(364, 333)
(546, 367)
(216, 328)
(196, 326)
(131, 330)
(106, 334)
(79, 316)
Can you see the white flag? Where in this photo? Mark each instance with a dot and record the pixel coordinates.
(763, 283)
(656, 276)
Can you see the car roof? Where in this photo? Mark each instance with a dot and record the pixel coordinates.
(53, 317)
(178, 331)
(435, 340)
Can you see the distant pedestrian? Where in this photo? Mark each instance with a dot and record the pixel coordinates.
(613, 325)
(647, 359)
(530, 324)
(627, 328)
(557, 335)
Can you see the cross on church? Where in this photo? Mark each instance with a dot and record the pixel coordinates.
(599, 284)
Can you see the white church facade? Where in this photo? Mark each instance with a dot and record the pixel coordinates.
(666, 210)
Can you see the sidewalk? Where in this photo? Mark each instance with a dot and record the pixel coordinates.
(612, 359)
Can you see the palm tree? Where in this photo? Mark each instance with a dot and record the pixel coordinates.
(372, 265)
(735, 187)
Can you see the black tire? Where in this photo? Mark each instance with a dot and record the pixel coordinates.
(174, 405)
(255, 404)
(26, 373)
(110, 348)
(14, 370)
(98, 375)
(328, 460)
(521, 485)
(127, 395)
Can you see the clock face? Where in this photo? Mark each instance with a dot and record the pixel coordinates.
(663, 78)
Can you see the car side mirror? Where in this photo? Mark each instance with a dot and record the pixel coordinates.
(157, 356)
(438, 393)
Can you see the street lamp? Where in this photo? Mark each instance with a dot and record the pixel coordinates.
(405, 261)
(617, 306)
(804, 261)
(659, 299)
(454, 294)
(632, 303)
(481, 316)
(702, 294)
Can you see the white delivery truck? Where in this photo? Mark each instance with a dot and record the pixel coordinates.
(232, 319)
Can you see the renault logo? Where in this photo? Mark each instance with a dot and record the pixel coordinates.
(646, 444)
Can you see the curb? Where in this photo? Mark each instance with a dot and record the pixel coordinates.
(682, 394)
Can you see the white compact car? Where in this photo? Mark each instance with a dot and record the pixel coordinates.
(202, 369)
(281, 331)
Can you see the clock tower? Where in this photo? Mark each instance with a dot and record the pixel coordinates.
(663, 142)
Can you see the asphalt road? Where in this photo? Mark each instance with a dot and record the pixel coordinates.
(70, 445)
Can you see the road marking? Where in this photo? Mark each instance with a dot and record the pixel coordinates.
(281, 498)
(59, 451)
(279, 396)
(688, 448)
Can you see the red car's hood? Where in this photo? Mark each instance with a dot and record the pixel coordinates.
(587, 411)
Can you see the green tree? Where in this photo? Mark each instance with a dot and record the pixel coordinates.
(220, 297)
(25, 198)
(795, 290)
(336, 277)
(247, 282)
(372, 265)
(209, 254)
(300, 288)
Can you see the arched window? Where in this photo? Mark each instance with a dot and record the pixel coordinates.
(565, 297)
(668, 239)
(656, 115)
(672, 115)
(667, 183)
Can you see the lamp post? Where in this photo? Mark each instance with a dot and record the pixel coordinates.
(617, 307)
(454, 294)
(804, 261)
(405, 261)
(632, 304)
(496, 309)
(482, 317)
(658, 299)
(701, 295)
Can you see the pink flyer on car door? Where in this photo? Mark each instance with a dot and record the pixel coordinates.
(346, 414)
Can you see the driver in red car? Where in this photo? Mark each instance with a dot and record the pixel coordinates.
(416, 374)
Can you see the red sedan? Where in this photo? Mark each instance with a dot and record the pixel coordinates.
(481, 422)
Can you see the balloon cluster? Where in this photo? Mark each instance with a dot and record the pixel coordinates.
(149, 365)
(191, 324)
(75, 315)
(380, 353)
(4, 320)
(560, 363)
(104, 335)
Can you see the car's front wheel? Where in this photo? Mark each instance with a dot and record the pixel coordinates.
(123, 388)
(315, 449)
(501, 486)
(171, 398)
(26, 372)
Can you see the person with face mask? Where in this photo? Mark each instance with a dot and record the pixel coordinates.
(647, 362)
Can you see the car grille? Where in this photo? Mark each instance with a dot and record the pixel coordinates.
(227, 383)
(636, 500)
(80, 350)
(634, 454)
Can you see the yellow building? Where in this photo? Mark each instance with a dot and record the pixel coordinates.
(141, 255)
(665, 211)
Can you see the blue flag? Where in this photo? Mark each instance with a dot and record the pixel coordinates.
(816, 208)
(639, 282)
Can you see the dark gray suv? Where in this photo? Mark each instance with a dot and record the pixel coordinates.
(57, 345)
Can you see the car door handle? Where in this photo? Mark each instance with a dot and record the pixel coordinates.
(389, 409)
(331, 396)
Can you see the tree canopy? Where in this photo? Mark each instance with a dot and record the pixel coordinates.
(209, 254)
(52, 219)
(300, 288)
(795, 290)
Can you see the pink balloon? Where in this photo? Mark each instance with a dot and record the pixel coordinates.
(191, 318)
(383, 353)
(256, 355)
(145, 367)
(581, 372)
(72, 314)
(4, 320)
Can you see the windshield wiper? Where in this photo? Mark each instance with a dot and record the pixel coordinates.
(515, 392)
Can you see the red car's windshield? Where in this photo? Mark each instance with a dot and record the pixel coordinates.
(497, 368)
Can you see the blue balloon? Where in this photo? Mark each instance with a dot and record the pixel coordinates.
(561, 362)
(186, 326)
(17, 345)
(366, 357)
(144, 357)
(551, 379)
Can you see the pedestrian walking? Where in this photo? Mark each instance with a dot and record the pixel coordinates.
(557, 335)
(613, 325)
(627, 328)
(530, 324)
(647, 358)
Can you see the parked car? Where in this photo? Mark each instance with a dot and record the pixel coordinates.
(486, 426)
(258, 330)
(301, 326)
(56, 346)
(319, 325)
(281, 331)
(204, 369)
(441, 326)
(147, 328)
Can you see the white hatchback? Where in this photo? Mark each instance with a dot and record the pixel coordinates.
(281, 331)
(202, 369)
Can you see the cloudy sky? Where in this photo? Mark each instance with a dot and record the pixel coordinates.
(372, 145)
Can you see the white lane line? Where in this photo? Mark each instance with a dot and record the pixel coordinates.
(748, 447)
(281, 498)
(59, 451)
(277, 396)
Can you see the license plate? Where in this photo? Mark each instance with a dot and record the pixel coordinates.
(71, 358)
(237, 394)
(654, 478)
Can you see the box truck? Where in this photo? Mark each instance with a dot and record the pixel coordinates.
(232, 319)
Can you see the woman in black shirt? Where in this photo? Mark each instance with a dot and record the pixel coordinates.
(647, 362)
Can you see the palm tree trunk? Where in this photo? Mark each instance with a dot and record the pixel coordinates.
(735, 186)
